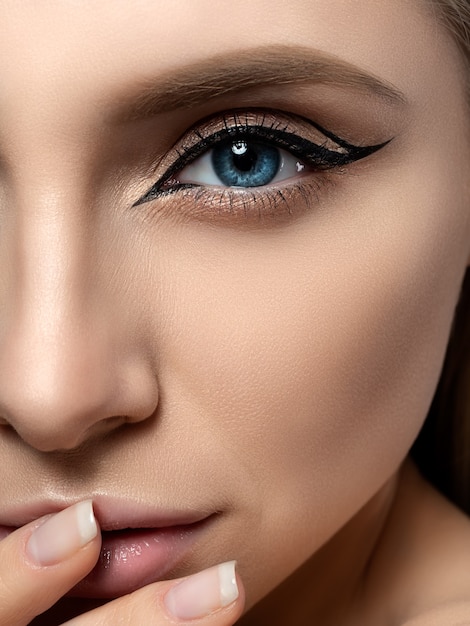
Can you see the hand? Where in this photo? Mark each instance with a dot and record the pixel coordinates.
(43, 560)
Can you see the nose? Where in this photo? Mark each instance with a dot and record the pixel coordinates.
(68, 368)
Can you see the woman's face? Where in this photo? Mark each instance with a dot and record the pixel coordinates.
(258, 356)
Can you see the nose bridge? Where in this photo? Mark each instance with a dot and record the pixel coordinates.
(50, 253)
(48, 249)
(43, 349)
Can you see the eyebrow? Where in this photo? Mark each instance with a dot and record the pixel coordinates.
(223, 75)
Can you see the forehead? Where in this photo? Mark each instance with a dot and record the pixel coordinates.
(85, 48)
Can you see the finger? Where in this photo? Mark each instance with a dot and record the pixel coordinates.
(213, 597)
(40, 562)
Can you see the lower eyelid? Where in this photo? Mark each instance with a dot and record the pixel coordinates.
(241, 208)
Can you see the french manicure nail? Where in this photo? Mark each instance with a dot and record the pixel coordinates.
(63, 534)
(203, 593)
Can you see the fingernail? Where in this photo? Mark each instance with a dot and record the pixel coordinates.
(63, 534)
(203, 593)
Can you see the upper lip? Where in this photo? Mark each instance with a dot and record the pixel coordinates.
(112, 513)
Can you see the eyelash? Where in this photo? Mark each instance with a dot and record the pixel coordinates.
(271, 128)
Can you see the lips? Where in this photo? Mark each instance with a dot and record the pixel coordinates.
(132, 558)
(140, 544)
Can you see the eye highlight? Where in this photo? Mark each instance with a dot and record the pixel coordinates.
(242, 159)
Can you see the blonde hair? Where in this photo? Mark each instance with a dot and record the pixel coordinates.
(455, 15)
(442, 449)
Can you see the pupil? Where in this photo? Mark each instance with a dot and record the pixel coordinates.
(244, 158)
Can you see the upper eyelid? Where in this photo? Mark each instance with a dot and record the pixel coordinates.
(241, 119)
(205, 130)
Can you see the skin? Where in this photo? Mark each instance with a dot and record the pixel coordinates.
(275, 369)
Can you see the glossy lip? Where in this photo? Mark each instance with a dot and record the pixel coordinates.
(140, 543)
(133, 558)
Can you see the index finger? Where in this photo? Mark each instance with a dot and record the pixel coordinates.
(40, 562)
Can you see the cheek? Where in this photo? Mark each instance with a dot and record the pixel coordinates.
(307, 357)
(323, 341)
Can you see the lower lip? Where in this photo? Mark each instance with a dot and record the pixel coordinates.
(130, 559)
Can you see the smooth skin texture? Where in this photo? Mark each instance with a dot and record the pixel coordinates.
(271, 364)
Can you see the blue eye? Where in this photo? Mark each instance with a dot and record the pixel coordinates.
(241, 163)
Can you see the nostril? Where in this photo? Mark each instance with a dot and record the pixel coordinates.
(58, 440)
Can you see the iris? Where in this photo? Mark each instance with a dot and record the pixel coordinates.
(245, 164)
